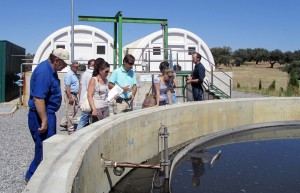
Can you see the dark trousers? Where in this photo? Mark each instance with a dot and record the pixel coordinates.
(34, 122)
(197, 94)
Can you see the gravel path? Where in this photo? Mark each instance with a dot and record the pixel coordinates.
(17, 149)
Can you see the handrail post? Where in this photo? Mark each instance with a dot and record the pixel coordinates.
(212, 75)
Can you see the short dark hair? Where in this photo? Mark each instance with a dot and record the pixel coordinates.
(198, 55)
(128, 58)
(52, 58)
(163, 65)
(90, 61)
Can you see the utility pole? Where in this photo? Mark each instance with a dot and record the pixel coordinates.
(72, 32)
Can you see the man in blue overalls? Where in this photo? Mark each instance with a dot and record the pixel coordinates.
(45, 100)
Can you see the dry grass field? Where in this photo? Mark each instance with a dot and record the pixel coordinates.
(249, 75)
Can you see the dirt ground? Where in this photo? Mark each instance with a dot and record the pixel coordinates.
(249, 75)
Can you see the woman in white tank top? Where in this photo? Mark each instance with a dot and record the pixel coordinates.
(98, 90)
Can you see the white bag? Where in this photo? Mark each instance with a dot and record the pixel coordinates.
(85, 105)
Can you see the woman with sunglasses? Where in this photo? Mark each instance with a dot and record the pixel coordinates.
(162, 87)
(98, 90)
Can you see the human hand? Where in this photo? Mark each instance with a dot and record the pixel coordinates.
(116, 96)
(71, 101)
(95, 113)
(44, 127)
(127, 88)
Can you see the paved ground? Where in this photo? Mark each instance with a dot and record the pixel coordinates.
(17, 146)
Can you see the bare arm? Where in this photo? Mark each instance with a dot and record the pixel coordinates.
(169, 97)
(80, 87)
(134, 90)
(157, 90)
(110, 85)
(90, 93)
(41, 110)
(175, 82)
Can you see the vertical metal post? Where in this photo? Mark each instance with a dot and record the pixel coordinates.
(120, 41)
(230, 82)
(165, 162)
(166, 153)
(72, 32)
(148, 66)
(20, 87)
(115, 44)
(212, 75)
(165, 40)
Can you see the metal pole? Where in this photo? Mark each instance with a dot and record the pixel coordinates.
(72, 32)
(165, 162)
(166, 152)
(20, 87)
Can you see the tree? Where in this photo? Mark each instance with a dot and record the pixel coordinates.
(221, 55)
(260, 54)
(275, 56)
(293, 67)
(297, 55)
(288, 57)
(240, 56)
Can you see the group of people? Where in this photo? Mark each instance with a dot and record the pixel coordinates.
(166, 82)
(46, 96)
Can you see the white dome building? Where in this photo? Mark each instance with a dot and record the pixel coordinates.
(89, 43)
(181, 44)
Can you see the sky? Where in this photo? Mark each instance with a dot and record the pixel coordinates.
(269, 24)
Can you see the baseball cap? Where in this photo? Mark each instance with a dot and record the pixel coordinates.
(62, 54)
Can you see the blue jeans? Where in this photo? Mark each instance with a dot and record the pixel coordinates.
(197, 94)
(84, 120)
(34, 122)
(174, 99)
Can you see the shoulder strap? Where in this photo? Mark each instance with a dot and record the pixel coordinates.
(152, 87)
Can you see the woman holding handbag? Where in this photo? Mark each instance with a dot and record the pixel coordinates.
(162, 87)
(98, 90)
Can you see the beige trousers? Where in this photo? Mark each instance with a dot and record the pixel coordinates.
(67, 120)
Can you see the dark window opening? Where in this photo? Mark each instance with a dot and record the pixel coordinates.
(156, 50)
(100, 49)
(191, 50)
(61, 46)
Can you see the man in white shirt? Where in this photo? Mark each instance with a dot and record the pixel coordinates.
(84, 82)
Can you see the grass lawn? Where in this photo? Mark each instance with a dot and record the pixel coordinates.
(249, 75)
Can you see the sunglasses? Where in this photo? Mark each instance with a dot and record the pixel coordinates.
(107, 71)
(131, 64)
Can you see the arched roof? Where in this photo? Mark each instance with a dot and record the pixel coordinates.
(83, 35)
(176, 36)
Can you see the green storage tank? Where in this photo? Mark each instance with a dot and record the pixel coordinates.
(11, 58)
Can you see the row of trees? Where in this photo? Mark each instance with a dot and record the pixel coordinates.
(226, 56)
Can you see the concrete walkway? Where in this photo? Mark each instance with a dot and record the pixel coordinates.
(17, 146)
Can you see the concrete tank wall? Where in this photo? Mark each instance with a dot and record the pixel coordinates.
(133, 137)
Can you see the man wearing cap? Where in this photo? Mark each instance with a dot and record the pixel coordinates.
(45, 99)
(125, 78)
(70, 97)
